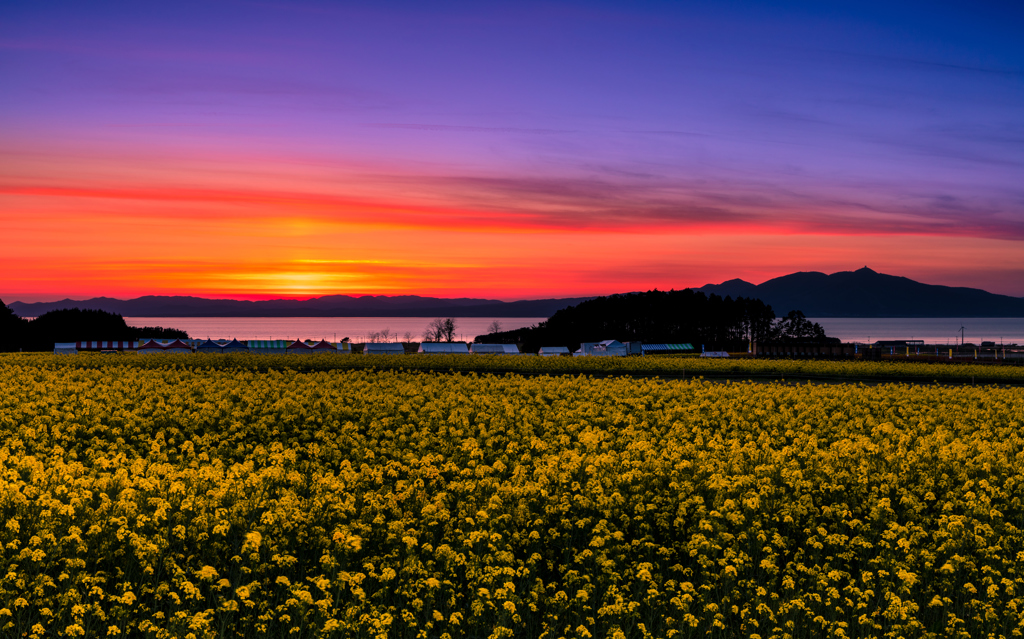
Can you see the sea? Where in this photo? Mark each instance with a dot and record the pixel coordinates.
(933, 330)
(333, 329)
(358, 329)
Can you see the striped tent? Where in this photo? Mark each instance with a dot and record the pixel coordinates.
(268, 346)
(106, 346)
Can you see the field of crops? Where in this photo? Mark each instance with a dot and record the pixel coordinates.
(146, 498)
(737, 368)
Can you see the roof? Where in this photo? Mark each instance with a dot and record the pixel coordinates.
(666, 348)
(324, 345)
(613, 343)
(495, 349)
(209, 344)
(383, 348)
(554, 349)
(297, 345)
(444, 347)
(178, 344)
(235, 344)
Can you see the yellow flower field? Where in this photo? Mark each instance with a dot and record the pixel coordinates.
(217, 498)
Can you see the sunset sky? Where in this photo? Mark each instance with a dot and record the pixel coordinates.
(504, 150)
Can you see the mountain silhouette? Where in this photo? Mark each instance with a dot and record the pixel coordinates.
(867, 293)
(326, 306)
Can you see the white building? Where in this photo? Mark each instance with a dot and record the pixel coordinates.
(444, 348)
(383, 348)
(494, 349)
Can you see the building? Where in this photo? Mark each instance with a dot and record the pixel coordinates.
(606, 348)
(714, 354)
(444, 348)
(494, 349)
(666, 349)
(383, 348)
(554, 351)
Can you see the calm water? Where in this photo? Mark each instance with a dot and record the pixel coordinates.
(329, 328)
(932, 330)
(848, 329)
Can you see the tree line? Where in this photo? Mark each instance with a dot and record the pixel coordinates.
(686, 316)
(71, 325)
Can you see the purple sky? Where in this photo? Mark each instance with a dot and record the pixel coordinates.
(723, 120)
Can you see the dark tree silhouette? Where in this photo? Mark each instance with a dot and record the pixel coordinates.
(659, 316)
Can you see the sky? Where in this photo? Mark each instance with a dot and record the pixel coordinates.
(519, 150)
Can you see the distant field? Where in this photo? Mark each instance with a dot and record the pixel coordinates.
(202, 497)
(734, 368)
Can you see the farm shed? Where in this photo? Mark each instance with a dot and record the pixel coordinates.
(606, 348)
(65, 348)
(553, 351)
(383, 348)
(234, 346)
(667, 349)
(494, 349)
(268, 346)
(444, 348)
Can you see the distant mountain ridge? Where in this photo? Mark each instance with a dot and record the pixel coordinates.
(326, 306)
(866, 293)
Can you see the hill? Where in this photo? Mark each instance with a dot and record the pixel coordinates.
(866, 293)
(665, 316)
(326, 306)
